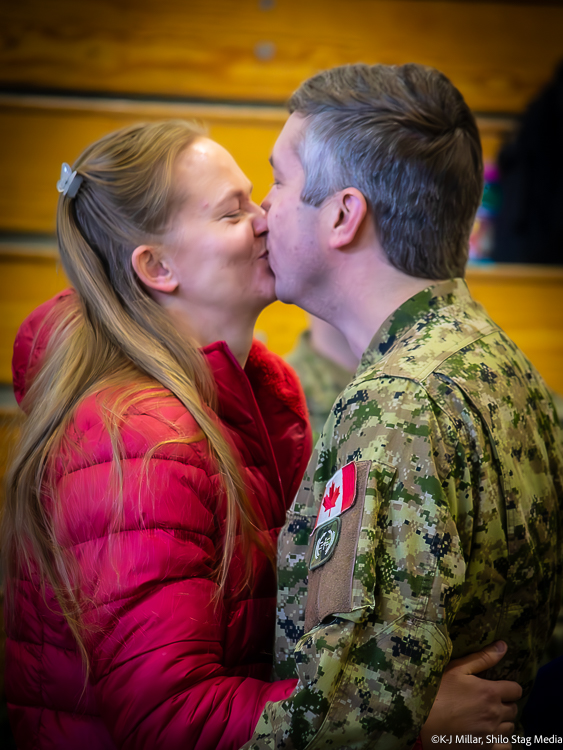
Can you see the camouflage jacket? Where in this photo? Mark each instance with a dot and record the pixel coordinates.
(437, 490)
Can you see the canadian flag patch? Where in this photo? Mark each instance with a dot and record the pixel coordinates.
(339, 495)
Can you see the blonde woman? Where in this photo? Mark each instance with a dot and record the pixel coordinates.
(161, 449)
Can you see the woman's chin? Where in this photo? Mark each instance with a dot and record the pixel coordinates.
(267, 293)
(265, 301)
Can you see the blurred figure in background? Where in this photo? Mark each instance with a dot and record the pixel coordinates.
(324, 362)
(529, 225)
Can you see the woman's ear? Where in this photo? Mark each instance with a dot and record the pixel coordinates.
(348, 210)
(153, 270)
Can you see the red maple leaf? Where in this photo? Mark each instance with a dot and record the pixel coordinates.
(329, 500)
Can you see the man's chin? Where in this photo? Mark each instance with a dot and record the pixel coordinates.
(282, 295)
(269, 300)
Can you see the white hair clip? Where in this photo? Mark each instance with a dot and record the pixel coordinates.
(70, 181)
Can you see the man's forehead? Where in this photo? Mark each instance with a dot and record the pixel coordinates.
(287, 144)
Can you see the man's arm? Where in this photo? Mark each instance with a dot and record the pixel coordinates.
(377, 610)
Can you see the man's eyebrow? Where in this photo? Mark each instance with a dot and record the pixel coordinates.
(271, 160)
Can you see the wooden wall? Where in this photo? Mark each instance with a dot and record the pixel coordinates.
(37, 133)
(497, 53)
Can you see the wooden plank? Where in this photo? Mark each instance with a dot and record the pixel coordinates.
(498, 54)
(494, 132)
(25, 282)
(38, 133)
(279, 326)
(30, 274)
(526, 302)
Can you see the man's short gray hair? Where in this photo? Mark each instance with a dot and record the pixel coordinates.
(406, 139)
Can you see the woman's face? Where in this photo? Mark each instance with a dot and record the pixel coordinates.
(216, 246)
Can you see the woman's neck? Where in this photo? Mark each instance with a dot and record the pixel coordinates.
(207, 326)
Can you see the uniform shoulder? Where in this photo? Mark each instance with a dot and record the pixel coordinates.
(425, 347)
(375, 403)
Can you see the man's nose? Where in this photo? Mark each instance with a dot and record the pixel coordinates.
(260, 222)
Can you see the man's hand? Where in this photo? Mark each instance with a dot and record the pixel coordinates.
(467, 704)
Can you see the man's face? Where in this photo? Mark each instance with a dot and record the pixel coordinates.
(293, 226)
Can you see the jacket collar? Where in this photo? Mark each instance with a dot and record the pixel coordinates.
(415, 312)
(265, 405)
(263, 373)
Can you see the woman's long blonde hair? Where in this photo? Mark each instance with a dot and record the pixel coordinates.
(114, 334)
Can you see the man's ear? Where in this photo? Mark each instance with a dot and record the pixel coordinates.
(152, 270)
(347, 212)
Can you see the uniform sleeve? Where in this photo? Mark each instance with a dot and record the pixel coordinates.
(154, 628)
(366, 632)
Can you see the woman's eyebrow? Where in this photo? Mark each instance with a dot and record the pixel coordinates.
(235, 194)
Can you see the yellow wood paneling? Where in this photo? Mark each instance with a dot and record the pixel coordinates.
(280, 325)
(38, 133)
(526, 302)
(25, 282)
(498, 54)
(495, 131)
(31, 276)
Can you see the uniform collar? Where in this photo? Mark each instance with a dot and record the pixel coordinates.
(414, 312)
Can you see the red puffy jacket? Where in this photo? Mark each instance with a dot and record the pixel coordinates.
(169, 669)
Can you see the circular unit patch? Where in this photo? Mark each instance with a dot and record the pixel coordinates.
(325, 540)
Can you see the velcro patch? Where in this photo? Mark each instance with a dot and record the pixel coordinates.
(340, 494)
(331, 559)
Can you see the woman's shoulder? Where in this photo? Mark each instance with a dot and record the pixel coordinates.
(147, 421)
(164, 478)
(33, 337)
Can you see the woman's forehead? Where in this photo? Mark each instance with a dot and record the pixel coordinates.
(207, 173)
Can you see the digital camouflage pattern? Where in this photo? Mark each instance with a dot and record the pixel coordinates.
(460, 538)
(322, 380)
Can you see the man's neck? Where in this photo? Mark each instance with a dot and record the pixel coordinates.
(367, 290)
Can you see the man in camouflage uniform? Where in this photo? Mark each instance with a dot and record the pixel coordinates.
(429, 521)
